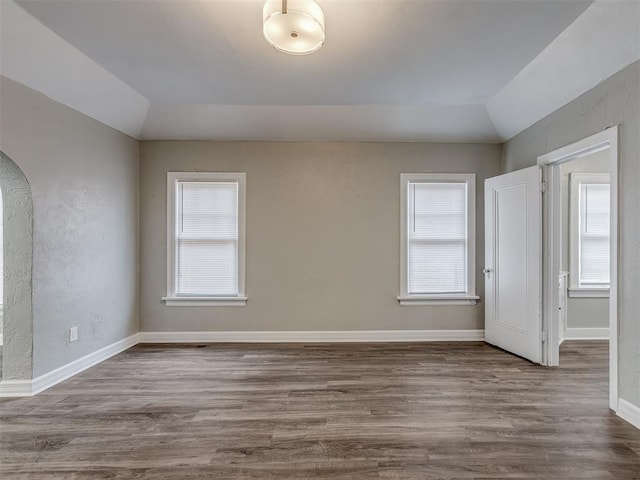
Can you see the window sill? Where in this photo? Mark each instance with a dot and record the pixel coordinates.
(589, 292)
(419, 300)
(239, 301)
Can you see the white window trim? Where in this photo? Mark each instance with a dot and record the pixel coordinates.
(575, 289)
(174, 300)
(468, 298)
(588, 292)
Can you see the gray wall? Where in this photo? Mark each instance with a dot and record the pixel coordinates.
(84, 181)
(613, 102)
(587, 312)
(323, 234)
(582, 312)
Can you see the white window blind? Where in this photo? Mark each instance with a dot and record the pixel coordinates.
(206, 238)
(437, 238)
(594, 234)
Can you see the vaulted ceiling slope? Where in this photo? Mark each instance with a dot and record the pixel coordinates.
(391, 70)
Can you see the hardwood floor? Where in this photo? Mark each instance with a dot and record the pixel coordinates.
(362, 411)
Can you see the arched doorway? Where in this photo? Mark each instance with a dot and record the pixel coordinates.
(17, 218)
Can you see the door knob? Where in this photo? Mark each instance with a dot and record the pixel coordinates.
(487, 272)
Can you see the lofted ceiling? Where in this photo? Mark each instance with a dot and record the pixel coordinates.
(390, 70)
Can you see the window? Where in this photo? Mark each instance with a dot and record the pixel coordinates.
(205, 241)
(589, 210)
(438, 239)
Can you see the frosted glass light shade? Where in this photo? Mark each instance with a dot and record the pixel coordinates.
(299, 31)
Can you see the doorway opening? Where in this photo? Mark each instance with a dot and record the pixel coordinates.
(580, 225)
(584, 263)
(1, 280)
(17, 261)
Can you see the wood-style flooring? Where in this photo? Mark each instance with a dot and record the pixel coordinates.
(361, 411)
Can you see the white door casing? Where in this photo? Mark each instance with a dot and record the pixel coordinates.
(513, 262)
(604, 140)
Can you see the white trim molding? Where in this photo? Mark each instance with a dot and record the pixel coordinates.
(205, 301)
(576, 218)
(60, 374)
(16, 388)
(586, 334)
(28, 388)
(468, 297)
(350, 336)
(419, 300)
(173, 298)
(552, 250)
(587, 146)
(629, 412)
(588, 292)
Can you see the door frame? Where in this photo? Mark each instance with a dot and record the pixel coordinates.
(552, 247)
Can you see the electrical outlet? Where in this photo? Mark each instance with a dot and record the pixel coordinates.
(73, 333)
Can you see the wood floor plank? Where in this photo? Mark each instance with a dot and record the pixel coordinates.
(358, 412)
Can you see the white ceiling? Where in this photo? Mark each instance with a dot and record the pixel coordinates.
(391, 70)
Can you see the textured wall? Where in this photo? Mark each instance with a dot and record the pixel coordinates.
(613, 102)
(17, 351)
(323, 234)
(83, 177)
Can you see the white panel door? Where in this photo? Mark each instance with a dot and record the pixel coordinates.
(513, 262)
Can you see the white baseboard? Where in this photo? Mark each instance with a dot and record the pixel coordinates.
(351, 336)
(586, 334)
(53, 377)
(27, 388)
(629, 412)
(16, 388)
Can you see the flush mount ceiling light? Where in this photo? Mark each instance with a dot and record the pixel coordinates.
(293, 26)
